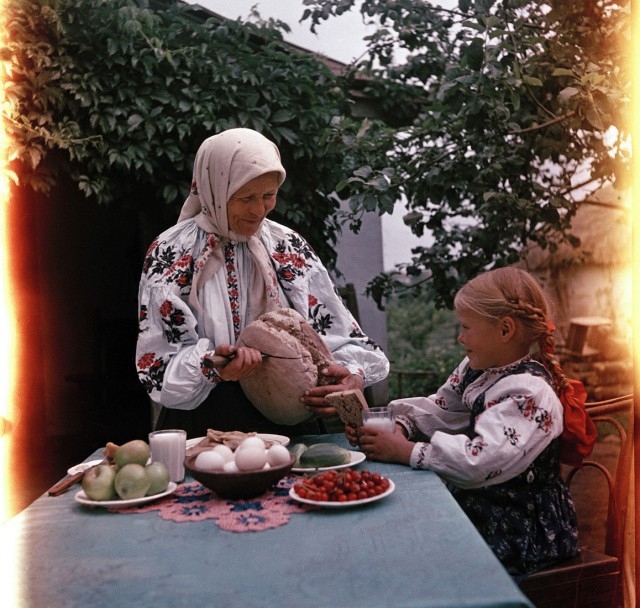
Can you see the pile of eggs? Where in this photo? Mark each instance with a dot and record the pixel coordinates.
(251, 455)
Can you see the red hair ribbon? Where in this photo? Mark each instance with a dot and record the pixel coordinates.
(546, 341)
(579, 434)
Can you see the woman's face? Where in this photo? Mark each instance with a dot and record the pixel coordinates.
(250, 204)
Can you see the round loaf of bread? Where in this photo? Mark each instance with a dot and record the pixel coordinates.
(295, 355)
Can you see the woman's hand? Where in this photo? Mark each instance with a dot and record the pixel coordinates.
(385, 446)
(245, 361)
(340, 379)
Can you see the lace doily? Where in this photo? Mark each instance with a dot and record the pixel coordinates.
(195, 502)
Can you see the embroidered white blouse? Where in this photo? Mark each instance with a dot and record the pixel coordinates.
(521, 416)
(174, 337)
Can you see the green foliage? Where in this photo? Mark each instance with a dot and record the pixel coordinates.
(494, 123)
(117, 95)
(504, 114)
(423, 348)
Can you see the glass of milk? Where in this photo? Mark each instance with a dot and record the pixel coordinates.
(169, 447)
(381, 418)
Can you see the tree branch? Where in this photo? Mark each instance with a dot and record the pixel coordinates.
(544, 124)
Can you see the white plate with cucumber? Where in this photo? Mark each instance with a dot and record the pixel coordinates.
(324, 457)
(356, 458)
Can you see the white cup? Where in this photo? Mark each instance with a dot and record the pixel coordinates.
(381, 418)
(169, 447)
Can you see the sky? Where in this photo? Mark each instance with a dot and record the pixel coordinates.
(338, 38)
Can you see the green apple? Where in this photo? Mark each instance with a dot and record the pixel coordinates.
(98, 482)
(132, 481)
(136, 451)
(159, 477)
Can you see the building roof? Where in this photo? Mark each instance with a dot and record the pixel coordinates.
(365, 105)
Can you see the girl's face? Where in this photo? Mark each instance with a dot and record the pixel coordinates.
(250, 204)
(482, 338)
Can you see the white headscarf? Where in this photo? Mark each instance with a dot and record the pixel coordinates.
(224, 163)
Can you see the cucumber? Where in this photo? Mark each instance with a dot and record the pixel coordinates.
(297, 450)
(321, 455)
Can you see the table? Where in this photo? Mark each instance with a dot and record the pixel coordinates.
(413, 549)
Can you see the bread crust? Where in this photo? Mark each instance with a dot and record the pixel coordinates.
(349, 405)
(297, 355)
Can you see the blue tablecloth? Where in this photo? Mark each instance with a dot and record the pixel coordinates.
(413, 549)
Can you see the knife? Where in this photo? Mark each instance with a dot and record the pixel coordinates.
(71, 480)
(217, 361)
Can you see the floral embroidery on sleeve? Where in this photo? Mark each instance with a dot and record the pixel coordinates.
(422, 455)
(531, 411)
(320, 322)
(181, 272)
(151, 371)
(172, 318)
(291, 258)
(172, 265)
(142, 318)
(512, 435)
(475, 446)
(207, 369)
(356, 332)
(155, 260)
(456, 382)
(544, 420)
(441, 402)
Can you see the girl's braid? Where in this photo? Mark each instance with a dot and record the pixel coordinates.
(539, 325)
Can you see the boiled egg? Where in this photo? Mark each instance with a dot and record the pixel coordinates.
(225, 451)
(230, 467)
(251, 458)
(278, 455)
(251, 442)
(209, 461)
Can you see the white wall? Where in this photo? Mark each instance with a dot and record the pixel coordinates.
(360, 259)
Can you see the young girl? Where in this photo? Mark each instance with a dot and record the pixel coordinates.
(492, 431)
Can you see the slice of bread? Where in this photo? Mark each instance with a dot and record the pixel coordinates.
(349, 405)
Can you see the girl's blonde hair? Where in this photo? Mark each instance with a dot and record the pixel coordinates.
(512, 292)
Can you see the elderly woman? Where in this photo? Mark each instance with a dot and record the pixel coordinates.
(221, 267)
